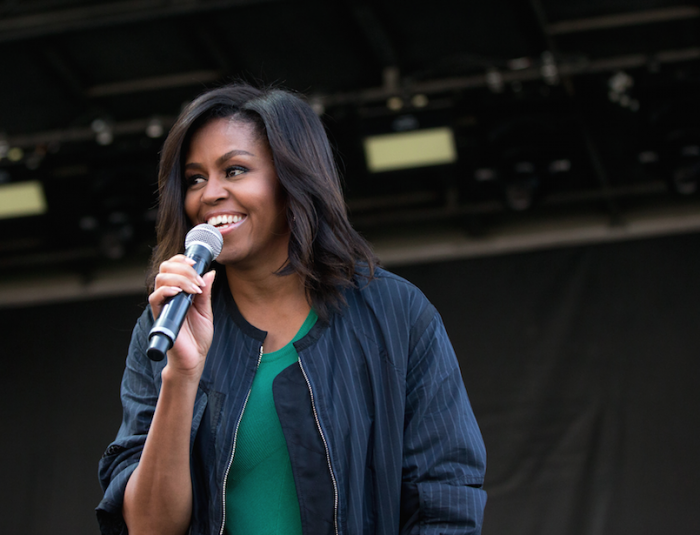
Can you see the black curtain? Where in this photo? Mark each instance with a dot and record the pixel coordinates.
(583, 368)
(581, 364)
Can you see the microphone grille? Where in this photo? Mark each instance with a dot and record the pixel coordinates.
(208, 236)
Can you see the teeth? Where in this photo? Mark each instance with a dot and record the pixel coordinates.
(224, 220)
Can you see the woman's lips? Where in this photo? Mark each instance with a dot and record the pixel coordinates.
(225, 222)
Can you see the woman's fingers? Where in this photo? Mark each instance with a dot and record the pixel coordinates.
(178, 271)
(160, 296)
(179, 265)
(175, 275)
(187, 282)
(203, 302)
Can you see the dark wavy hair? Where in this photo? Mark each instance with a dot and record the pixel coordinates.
(324, 249)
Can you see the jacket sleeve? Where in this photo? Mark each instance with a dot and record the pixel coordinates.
(139, 393)
(444, 458)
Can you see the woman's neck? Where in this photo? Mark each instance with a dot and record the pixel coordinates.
(273, 303)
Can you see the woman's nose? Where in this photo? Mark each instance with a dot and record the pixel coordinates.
(214, 191)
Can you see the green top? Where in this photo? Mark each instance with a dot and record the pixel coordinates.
(261, 498)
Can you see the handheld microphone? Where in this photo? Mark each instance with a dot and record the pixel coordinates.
(203, 244)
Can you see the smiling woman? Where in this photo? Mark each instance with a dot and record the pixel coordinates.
(308, 391)
(232, 183)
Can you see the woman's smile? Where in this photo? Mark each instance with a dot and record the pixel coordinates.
(225, 222)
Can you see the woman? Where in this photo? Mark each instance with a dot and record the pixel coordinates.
(309, 391)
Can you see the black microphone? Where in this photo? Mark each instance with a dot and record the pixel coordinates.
(203, 244)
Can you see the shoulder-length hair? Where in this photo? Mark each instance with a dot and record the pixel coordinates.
(324, 249)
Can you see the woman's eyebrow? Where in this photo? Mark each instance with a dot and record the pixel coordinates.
(221, 159)
(231, 153)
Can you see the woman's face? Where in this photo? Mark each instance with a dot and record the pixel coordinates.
(232, 184)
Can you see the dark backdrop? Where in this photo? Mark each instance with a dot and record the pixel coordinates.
(581, 363)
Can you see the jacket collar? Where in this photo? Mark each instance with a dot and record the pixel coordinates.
(222, 292)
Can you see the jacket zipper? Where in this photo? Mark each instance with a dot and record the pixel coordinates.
(325, 445)
(233, 449)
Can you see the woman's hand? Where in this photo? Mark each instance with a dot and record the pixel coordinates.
(189, 352)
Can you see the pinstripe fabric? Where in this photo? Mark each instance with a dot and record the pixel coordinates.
(405, 450)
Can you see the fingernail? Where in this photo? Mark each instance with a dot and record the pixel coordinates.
(200, 281)
(190, 261)
(176, 288)
(196, 289)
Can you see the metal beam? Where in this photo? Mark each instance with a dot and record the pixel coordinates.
(68, 135)
(416, 245)
(371, 95)
(620, 20)
(168, 81)
(461, 83)
(99, 15)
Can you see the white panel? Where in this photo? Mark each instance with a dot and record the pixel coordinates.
(418, 148)
(21, 199)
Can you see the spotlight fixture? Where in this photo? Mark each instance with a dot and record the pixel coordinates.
(677, 160)
(684, 172)
(394, 103)
(494, 80)
(619, 86)
(103, 131)
(549, 69)
(521, 185)
(317, 105)
(154, 129)
(530, 157)
(15, 154)
(419, 100)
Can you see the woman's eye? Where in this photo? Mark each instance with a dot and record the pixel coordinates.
(194, 180)
(235, 171)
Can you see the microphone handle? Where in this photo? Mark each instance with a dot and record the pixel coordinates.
(172, 316)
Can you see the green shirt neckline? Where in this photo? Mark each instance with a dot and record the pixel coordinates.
(289, 348)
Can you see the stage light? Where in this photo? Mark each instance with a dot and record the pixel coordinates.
(103, 131)
(560, 166)
(518, 64)
(528, 158)
(484, 174)
(494, 80)
(520, 186)
(419, 101)
(105, 138)
(394, 103)
(684, 176)
(22, 199)
(549, 69)
(405, 150)
(619, 85)
(15, 154)
(154, 129)
(318, 106)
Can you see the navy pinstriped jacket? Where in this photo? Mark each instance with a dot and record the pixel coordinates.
(380, 432)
